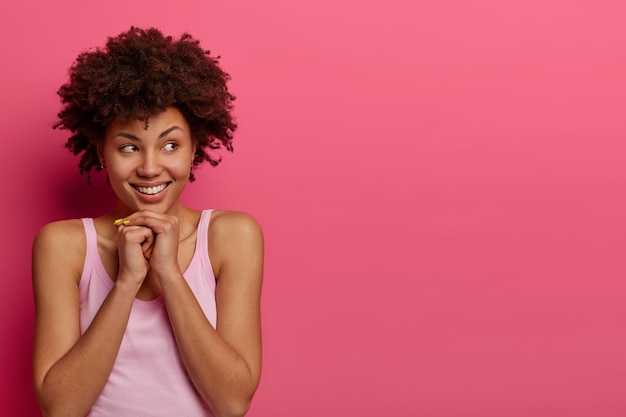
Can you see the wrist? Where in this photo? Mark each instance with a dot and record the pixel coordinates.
(128, 282)
(168, 277)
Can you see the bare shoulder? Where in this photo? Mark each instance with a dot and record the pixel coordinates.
(64, 234)
(234, 224)
(234, 237)
(59, 245)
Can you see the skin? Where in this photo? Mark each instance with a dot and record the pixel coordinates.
(146, 253)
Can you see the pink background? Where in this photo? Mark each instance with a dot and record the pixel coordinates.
(441, 185)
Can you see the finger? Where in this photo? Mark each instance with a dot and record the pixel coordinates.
(137, 235)
(121, 222)
(147, 246)
(159, 223)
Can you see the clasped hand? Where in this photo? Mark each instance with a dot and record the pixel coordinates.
(147, 242)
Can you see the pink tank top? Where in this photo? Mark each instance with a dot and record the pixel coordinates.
(148, 377)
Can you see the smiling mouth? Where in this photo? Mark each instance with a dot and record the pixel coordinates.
(151, 190)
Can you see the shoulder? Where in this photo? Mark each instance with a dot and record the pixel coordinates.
(233, 224)
(61, 233)
(234, 237)
(60, 242)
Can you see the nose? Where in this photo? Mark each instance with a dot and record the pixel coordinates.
(150, 165)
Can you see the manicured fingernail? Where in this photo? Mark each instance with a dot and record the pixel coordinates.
(126, 221)
(117, 221)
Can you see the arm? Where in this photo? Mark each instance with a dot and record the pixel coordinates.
(71, 370)
(224, 363)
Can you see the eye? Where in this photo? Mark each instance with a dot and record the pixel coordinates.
(170, 146)
(128, 148)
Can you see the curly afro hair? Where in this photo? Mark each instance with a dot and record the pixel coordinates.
(140, 73)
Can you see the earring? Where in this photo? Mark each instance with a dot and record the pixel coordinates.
(102, 166)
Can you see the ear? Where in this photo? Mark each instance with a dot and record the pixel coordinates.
(100, 152)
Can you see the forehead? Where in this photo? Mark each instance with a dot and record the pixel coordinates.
(156, 125)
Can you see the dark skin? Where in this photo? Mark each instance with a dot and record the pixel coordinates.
(145, 254)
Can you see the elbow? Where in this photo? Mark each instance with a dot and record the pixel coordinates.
(236, 405)
(237, 411)
(51, 408)
(237, 408)
(236, 401)
(52, 411)
(47, 411)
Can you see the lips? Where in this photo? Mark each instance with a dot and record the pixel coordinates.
(151, 190)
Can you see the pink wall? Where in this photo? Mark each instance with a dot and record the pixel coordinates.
(441, 185)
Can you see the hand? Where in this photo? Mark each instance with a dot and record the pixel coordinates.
(134, 246)
(157, 237)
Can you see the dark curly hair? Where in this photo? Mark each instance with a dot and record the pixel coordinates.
(140, 73)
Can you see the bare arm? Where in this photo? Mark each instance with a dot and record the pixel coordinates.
(224, 363)
(71, 370)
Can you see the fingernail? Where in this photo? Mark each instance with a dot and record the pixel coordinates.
(126, 221)
(117, 221)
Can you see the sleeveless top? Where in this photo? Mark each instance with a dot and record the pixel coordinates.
(148, 377)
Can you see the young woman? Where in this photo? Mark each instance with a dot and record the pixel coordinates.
(153, 308)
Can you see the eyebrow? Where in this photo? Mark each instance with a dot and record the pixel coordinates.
(163, 134)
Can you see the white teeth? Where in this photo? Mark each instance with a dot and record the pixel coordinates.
(151, 190)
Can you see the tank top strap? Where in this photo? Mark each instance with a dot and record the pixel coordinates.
(90, 234)
(202, 245)
(91, 251)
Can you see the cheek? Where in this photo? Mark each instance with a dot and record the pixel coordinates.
(183, 166)
(116, 182)
(118, 173)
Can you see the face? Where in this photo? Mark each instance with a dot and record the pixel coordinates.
(149, 168)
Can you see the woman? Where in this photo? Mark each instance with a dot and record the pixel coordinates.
(153, 308)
